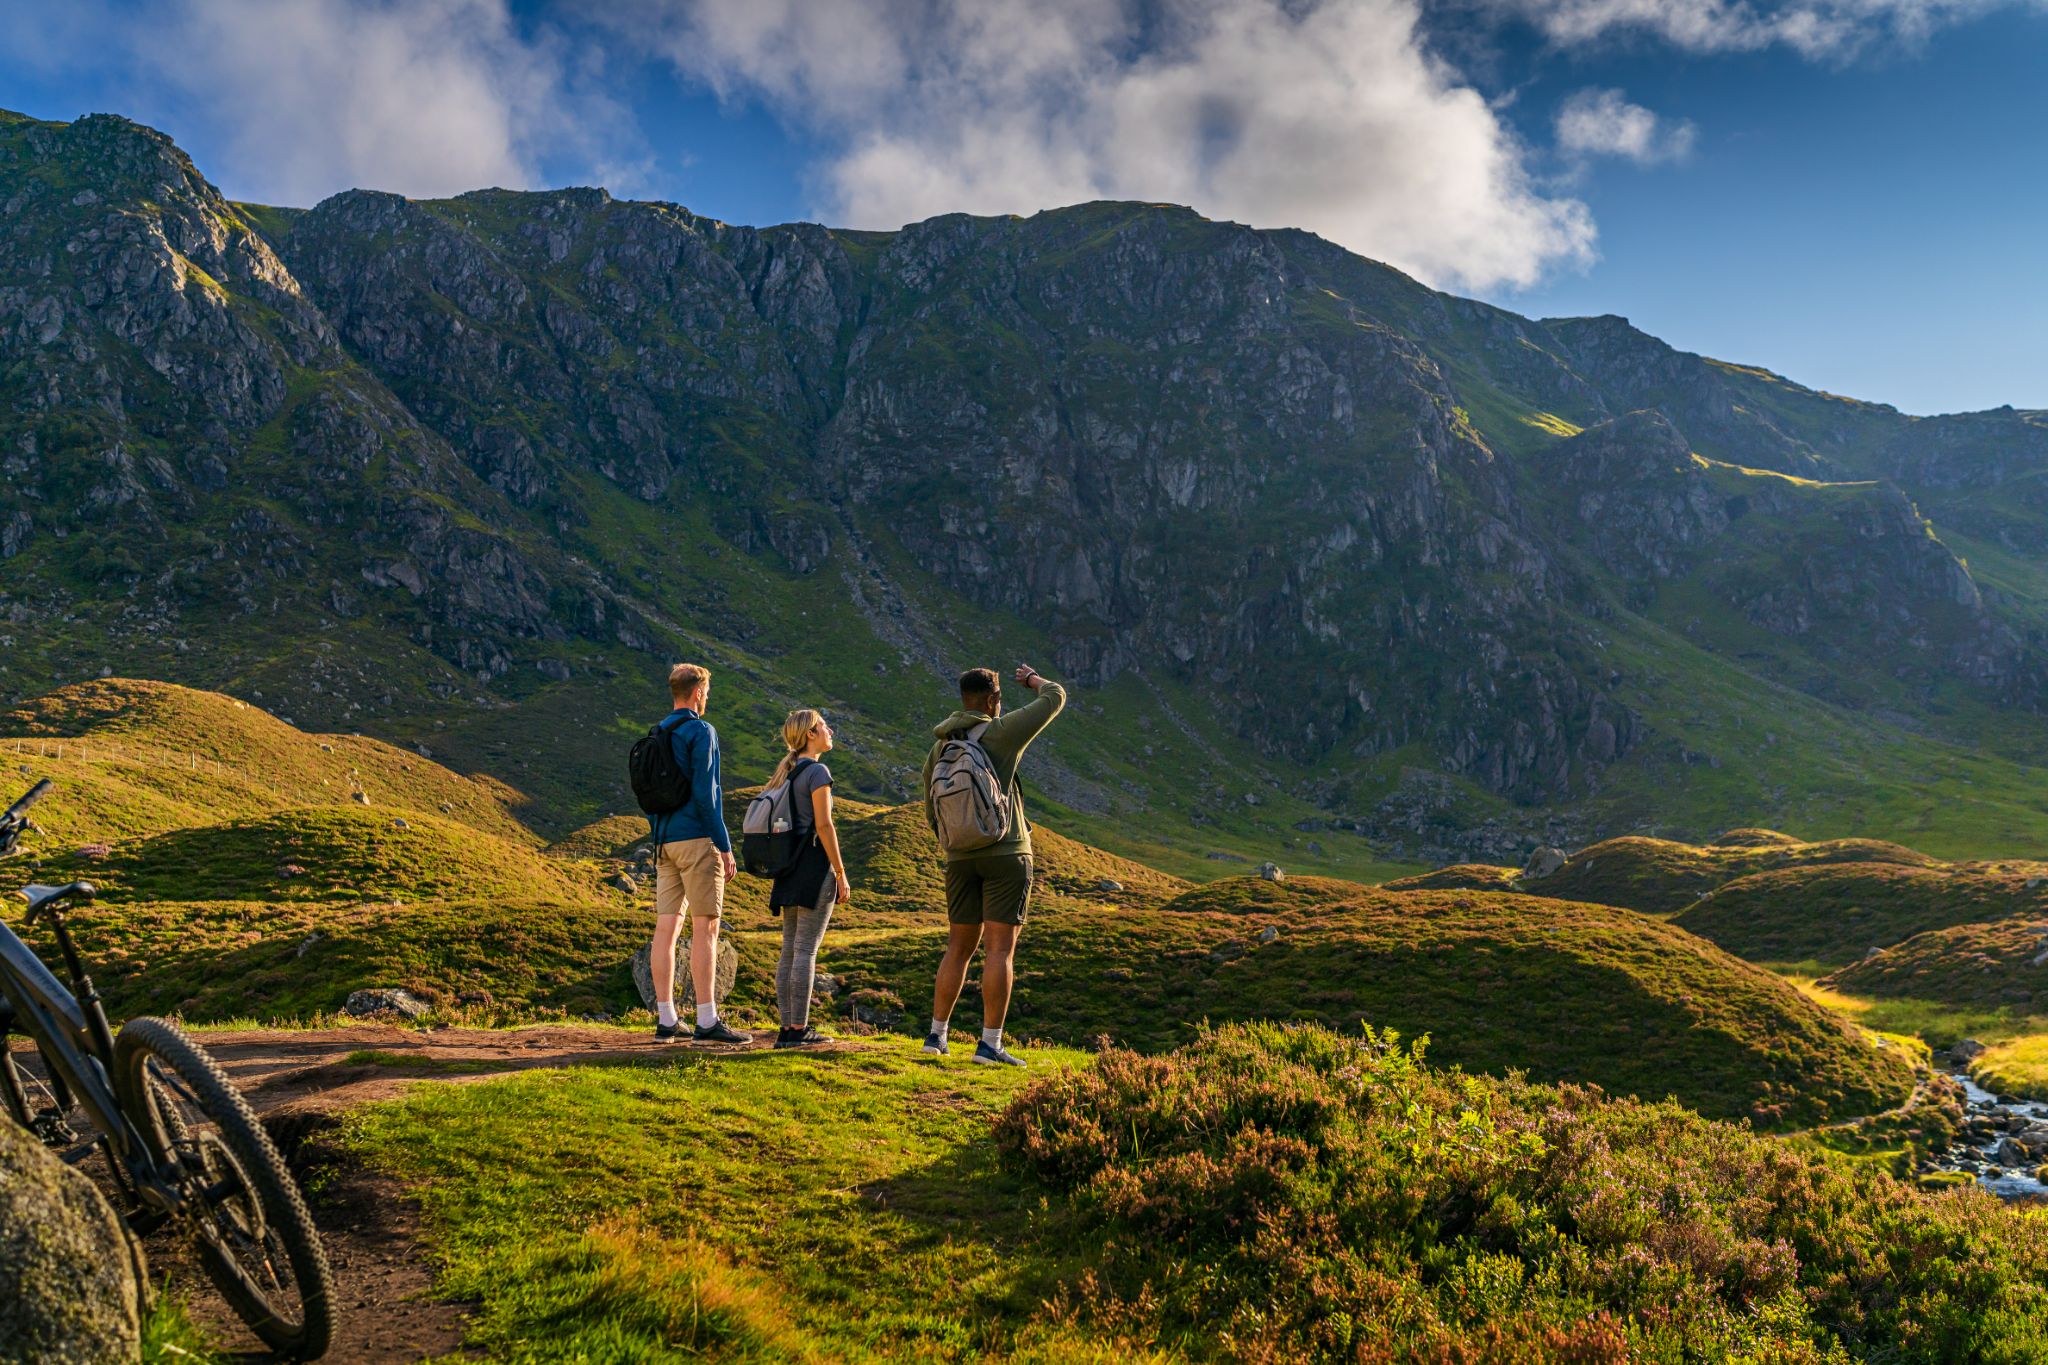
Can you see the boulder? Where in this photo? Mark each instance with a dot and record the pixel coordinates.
(71, 1280)
(1271, 872)
(624, 882)
(385, 1001)
(1543, 862)
(825, 985)
(727, 970)
(1109, 884)
(1228, 951)
(1969, 1050)
(878, 1009)
(1269, 934)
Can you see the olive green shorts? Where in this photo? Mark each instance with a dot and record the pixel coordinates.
(993, 889)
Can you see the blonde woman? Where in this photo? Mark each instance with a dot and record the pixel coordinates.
(804, 895)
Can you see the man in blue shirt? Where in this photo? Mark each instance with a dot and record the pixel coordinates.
(692, 863)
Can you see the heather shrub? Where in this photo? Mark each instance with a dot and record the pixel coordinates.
(1283, 1192)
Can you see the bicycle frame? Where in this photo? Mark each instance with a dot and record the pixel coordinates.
(77, 1048)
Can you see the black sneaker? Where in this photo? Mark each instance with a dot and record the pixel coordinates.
(719, 1033)
(935, 1045)
(996, 1056)
(805, 1037)
(665, 1032)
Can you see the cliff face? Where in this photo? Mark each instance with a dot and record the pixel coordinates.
(1356, 513)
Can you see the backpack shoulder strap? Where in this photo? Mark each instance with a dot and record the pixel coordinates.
(974, 736)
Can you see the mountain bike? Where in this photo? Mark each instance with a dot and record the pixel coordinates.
(184, 1148)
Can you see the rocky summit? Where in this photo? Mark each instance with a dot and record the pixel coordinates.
(467, 472)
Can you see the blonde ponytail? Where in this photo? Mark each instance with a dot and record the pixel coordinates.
(796, 732)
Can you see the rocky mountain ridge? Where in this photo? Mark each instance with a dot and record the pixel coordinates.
(526, 441)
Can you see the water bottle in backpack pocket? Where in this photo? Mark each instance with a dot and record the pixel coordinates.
(969, 807)
(772, 838)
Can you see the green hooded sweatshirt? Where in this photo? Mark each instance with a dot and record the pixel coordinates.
(1005, 739)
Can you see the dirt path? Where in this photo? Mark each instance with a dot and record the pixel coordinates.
(300, 1081)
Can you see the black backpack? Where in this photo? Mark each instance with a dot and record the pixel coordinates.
(776, 833)
(659, 783)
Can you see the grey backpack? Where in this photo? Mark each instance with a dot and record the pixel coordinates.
(969, 807)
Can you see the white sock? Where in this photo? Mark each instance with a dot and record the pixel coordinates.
(939, 1026)
(993, 1036)
(707, 1015)
(665, 1013)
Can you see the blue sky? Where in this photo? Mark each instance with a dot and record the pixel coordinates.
(1851, 192)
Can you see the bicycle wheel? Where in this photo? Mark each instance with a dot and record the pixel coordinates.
(243, 1208)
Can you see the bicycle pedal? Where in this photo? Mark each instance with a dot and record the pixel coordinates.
(52, 1131)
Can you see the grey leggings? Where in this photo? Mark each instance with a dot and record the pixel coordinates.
(797, 969)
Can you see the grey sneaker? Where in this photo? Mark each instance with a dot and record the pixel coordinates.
(996, 1056)
(935, 1045)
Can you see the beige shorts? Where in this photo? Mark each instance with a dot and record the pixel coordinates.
(689, 879)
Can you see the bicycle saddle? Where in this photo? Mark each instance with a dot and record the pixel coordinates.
(40, 896)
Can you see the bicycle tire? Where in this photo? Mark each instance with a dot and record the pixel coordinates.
(278, 1205)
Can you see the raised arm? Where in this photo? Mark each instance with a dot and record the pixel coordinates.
(1015, 729)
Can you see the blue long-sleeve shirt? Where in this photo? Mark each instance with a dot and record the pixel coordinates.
(696, 749)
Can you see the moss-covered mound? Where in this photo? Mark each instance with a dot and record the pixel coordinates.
(483, 960)
(614, 836)
(1571, 992)
(1999, 965)
(1661, 877)
(133, 758)
(1836, 914)
(1755, 838)
(1459, 877)
(326, 853)
(1307, 1196)
(895, 866)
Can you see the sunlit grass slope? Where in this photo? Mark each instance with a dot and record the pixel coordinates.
(1835, 914)
(147, 757)
(1568, 991)
(1661, 876)
(1266, 1195)
(1994, 965)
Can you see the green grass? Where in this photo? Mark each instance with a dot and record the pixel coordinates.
(2018, 1066)
(843, 1207)
(338, 853)
(1986, 965)
(170, 1337)
(1566, 991)
(1662, 876)
(1266, 1195)
(1835, 914)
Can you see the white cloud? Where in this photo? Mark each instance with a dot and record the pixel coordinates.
(302, 98)
(1605, 123)
(1328, 115)
(1820, 29)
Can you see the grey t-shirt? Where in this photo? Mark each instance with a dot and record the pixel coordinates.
(813, 776)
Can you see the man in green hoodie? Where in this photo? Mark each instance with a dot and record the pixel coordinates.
(988, 888)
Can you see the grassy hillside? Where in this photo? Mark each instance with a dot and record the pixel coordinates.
(1459, 877)
(1336, 1200)
(502, 960)
(1992, 965)
(1568, 991)
(336, 853)
(136, 757)
(1836, 914)
(1661, 876)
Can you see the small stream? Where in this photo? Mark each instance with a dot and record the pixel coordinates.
(2002, 1142)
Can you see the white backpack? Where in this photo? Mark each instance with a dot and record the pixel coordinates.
(969, 807)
